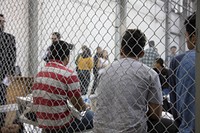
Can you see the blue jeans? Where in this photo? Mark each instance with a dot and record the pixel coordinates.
(77, 125)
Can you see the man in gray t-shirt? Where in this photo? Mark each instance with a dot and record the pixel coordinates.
(128, 91)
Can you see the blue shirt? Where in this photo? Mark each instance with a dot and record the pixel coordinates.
(186, 93)
(174, 64)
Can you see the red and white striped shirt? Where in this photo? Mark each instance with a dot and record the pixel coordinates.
(54, 84)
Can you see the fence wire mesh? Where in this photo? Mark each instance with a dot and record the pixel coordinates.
(97, 66)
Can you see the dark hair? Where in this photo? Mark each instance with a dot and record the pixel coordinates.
(84, 47)
(101, 54)
(57, 34)
(70, 46)
(1, 15)
(59, 51)
(133, 42)
(190, 24)
(86, 52)
(173, 47)
(151, 43)
(98, 47)
(160, 61)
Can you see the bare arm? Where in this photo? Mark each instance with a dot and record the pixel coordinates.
(74, 94)
(155, 111)
(78, 103)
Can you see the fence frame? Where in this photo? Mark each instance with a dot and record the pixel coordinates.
(197, 95)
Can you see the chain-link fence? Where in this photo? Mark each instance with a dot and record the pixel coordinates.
(73, 65)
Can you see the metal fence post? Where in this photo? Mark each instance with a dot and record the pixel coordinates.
(197, 96)
(33, 37)
(183, 16)
(167, 23)
(120, 24)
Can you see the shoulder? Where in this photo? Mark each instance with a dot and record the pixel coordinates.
(176, 60)
(70, 71)
(86, 59)
(143, 68)
(189, 56)
(188, 59)
(147, 50)
(178, 57)
(70, 46)
(8, 35)
(155, 69)
(165, 71)
(187, 63)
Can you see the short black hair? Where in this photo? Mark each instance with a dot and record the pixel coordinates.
(173, 47)
(86, 53)
(133, 42)
(59, 51)
(190, 24)
(160, 61)
(98, 47)
(57, 34)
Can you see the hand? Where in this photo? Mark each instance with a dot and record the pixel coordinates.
(88, 107)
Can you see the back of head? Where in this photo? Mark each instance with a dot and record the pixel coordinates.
(86, 53)
(59, 51)
(160, 61)
(151, 43)
(57, 34)
(133, 42)
(190, 24)
(99, 49)
(173, 47)
(70, 46)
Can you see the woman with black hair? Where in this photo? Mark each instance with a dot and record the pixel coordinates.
(85, 65)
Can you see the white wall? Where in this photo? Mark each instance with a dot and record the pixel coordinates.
(89, 22)
(149, 16)
(79, 23)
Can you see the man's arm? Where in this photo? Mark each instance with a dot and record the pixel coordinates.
(174, 65)
(155, 111)
(155, 99)
(78, 103)
(74, 93)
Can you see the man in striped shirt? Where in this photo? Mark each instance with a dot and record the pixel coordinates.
(54, 85)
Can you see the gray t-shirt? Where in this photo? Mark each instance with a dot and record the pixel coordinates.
(123, 93)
